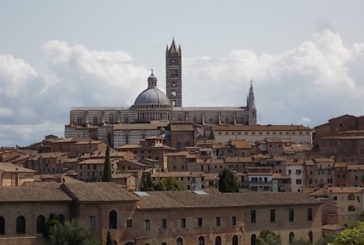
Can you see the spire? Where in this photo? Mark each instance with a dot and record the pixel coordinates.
(251, 92)
(173, 48)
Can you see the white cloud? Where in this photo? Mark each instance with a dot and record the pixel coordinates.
(318, 79)
(308, 84)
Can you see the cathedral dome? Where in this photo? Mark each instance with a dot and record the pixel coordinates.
(152, 95)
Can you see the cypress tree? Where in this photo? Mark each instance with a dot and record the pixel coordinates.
(228, 182)
(109, 240)
(106, 177)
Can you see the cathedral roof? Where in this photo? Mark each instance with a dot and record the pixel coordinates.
(152, 95)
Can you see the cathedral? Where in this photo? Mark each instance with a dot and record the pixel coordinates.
(151, 106)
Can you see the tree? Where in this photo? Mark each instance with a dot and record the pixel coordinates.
(108, 239)
(168, 184)
(106, 177)
(147, 183)
(351, 236)
(300, 242)
(327, 239)
(72, 233)
(267, 237)
(228, 182)
(51, 222)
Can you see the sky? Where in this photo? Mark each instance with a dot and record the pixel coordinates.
(305, 58)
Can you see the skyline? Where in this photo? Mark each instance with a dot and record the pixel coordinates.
(302, 78)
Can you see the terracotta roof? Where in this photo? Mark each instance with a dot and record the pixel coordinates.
(280, 176)
(128, 146)
(183, 174)
(344, 190)
(189, 199)
(176, 128)
(238, 159)
(97, 192)
(355, 167)
(323, 160)
(341, 165)
(9, 167)
(34, 192)
(241, 144)
(260, 128)
(342, 138)
(333, 227)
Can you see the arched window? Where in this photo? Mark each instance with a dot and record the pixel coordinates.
(40, 224)
(201, 240)
(218, 240)
(113, 220)
(291, 237)
(20, 225)
(351, 208)
(310, 236)
(179, 241)
(351, 197)
(2, 225)
(253, 239)
(235, 240)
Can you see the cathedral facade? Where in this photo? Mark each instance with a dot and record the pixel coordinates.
(153, 105)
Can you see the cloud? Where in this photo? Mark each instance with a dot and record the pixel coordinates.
(319, 79)
(75, 76)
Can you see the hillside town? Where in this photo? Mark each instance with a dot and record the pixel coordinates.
(155, 173)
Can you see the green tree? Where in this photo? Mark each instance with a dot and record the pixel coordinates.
(327, 239)
(72, 233)
(228, 182)
(300, 242)
(147, 184)
(106, 177)
(108, 239)
(52, 221)
(351, 236)
(168, 184)
(267, 237)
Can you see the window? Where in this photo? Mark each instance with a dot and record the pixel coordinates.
(291, 215)
(201, 241)
(40, 224)
(291, 237)
(179, 241)
(233, 220)
(20, 225)
(91, 223)
(253, 217)
(147, 224)
(309, 214)
(253, 239)
(310, 236)
(351, 208)
(235, 240)
(113, 220)
(199, 222)
(183, 223)
(164, 223)
(218, 221)
(2, 225)
(298, 181)
(129, 223)
(218, 240)
(272, 215)
(351, 197)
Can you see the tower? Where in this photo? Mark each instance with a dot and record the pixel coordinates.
(174, 74)
(250, 103)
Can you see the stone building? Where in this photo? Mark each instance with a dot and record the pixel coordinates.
(139, 218)
(153, 105)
